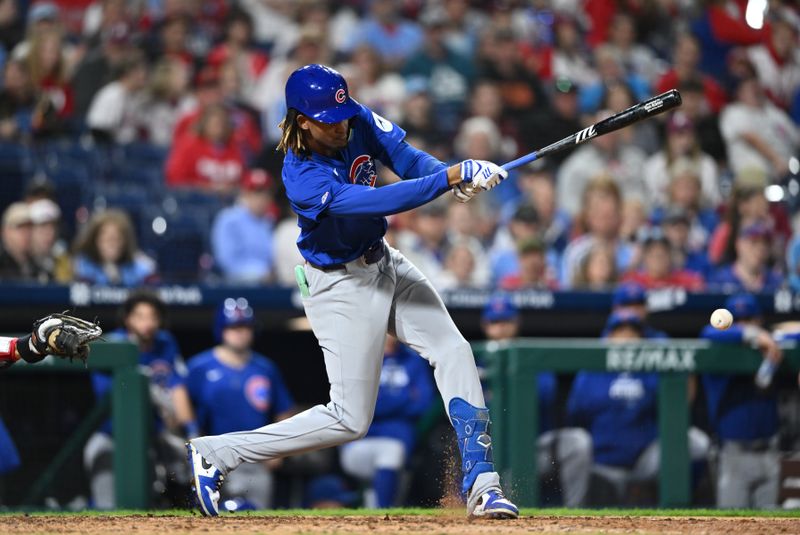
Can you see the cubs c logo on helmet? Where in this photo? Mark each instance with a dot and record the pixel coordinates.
(340, 95)
(362, 171)
(256, 391)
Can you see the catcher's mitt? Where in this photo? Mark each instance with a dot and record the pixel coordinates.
(65, 336)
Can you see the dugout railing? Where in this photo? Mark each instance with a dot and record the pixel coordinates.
(131, 420)
(513, 367)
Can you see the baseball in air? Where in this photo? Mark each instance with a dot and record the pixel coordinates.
(721, 318)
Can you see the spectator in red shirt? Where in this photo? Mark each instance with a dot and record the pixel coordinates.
(533, 269)
(686, 59)
(656, 269)
(48, 72)
(208, 158)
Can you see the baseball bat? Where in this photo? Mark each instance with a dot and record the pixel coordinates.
(643, 110)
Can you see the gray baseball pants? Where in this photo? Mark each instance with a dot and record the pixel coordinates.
(748, 478)
(350, 311)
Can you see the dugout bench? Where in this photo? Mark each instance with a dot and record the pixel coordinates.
(131, 420)
(513, 367)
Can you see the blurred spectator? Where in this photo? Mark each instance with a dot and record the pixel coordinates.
(208, 158)
(757, 133)
(405, 393)
(748, 205)
(750, 271)
(419, 121)
(43, 18)
(501, 61)
(601, 217)
(706, 123)
(237, 49)
(49, 253)
(597, 271)
(165, 100)
(99, 66)
(681, 142)
(563, 453)
(744, 417)
(21, 116)
(612, 72)
(15, 257)
(102, 15)
(285, 251)
(273, 22)
(685, 67)
(241, 236)
(634, 217)
(374, 86)
(656, 268)
(777, 62)
(231, 387)
(686, 253)
(448, 74)
(684, 191)
(619, 97)
(395, 38)
(459, 267)
(106, 253)
(12, 28)
(533, 272)
(464, 26)
(425, 244)
(557, 120)
(604, 155)
(570, 57)
(538, 188)
(115, 111)
(142, 317)
(48, 72)
(170, 37)
(636, 58)
(620, 412)
(523, 226)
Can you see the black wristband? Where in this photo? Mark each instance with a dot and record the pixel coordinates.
(24, 350)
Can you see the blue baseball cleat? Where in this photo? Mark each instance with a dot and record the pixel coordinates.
(206, 482)
(493, 504)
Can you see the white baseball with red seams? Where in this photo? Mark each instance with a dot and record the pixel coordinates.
(721, 319)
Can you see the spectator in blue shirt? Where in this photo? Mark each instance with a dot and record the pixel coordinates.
(231, 388)
(241, 236)
(159, 357)
(405, 393)
(620, 412)
(107, 253)
(395, 38)
(750, 272)
(744, 416)
(565, 451)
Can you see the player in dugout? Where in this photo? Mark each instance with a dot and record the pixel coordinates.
(356, 288)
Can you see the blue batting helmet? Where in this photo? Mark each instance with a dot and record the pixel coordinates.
(629, 293)
(743, 306)
(232, 313)
(499, 308)
(620, 318)
(321, 93)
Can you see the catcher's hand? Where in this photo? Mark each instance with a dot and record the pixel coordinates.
(64, 336)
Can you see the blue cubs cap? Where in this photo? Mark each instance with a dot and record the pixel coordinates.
(743, 306)
(499, 308)
(629, 293)
(321, 93)
(620, 318)
(233, 313)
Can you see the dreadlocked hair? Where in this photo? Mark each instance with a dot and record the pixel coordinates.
(292, 136)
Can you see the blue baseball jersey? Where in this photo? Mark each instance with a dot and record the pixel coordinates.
(340, 211)
(228, 399)
(405, 393)
(620, 412)
(162, 361)
(737, 409)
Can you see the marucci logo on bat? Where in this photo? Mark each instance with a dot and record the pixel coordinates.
(586, 133)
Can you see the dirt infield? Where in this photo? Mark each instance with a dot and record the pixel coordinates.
(404, 524)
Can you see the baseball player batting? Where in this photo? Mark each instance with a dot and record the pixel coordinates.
(356, 288)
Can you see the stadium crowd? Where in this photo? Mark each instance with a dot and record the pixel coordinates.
(137, 146)
(152, 127)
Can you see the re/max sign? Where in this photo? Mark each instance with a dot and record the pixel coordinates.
(655, 359)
